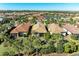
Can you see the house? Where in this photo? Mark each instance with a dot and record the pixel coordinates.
(21, 30)
(77, 24)
(70, 29)
(1, 19)
(41, 18)
(55, 28)
(75, 18)
(39, 28)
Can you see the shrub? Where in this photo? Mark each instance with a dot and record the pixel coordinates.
(77, 47)
(73, 47)
(36, 42)
(59, 48)
(70, 47)
(30, 51)
(47, 36)
(51, 42)
(47, 49)
(56, 37)
(5, 53)
(67, 47)
(75, 37)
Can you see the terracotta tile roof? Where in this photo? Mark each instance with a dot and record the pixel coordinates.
(21, 28)
(54, 28)
(71, 28)
(40, 18)
(39, 28)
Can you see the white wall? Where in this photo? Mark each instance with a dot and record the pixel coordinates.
(1, 19)
(68, 32)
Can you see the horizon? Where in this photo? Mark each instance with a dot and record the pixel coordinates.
(40, 6)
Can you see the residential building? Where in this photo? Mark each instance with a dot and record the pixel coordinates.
(55, 28)
(39, 28)
(20, 30)
(70, 29)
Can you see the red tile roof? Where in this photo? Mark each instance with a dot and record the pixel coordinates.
(40, 18)
(71, 28)
(22, 28)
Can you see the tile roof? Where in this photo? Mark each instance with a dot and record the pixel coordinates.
(39, 28)
(71, 28)
(55, 28)
(41, 17)
(24, 27)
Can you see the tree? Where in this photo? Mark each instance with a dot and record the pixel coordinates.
(77, 46)
(73, 46)
(1, 38)
(47, 36)
(67, 47)
(46, 21)
(45, 49)
(72, 21)
(59, 48)
(61, 22)
(56, 37)
(75, 37)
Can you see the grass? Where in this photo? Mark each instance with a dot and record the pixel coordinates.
(3, 49)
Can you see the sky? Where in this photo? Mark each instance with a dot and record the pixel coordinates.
(40, 6)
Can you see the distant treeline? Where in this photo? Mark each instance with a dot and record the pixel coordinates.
(58, 11)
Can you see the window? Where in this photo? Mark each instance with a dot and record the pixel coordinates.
(14, 35)
(20, 33)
